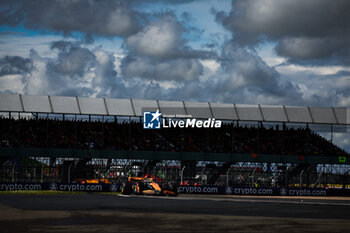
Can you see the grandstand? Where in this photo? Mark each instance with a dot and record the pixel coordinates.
(66, 139)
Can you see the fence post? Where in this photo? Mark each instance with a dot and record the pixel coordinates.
(13, 173)
(182, 173)
(34, 175)
(228, 171)
(253, 177)
(70, 165)
(42, 174)
(202, 174)
(301, 178)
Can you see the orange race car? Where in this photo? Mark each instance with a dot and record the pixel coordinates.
(93, 181)
(146, 186)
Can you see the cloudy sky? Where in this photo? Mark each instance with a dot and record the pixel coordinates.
(242, 51)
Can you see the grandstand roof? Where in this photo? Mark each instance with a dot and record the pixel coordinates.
(135, 107)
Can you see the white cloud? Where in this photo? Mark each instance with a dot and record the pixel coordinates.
(14, 45)
(210, 64)
(342, 140)
(37, 83)
(174, 69)
(273, 61)
(12, 83)
(318, 70)
(157, 39)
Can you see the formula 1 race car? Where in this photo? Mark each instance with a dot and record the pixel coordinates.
(93, 181)
(146, 186)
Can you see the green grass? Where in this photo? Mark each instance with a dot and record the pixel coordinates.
(110, 193)
(45, 192)
(37, 192)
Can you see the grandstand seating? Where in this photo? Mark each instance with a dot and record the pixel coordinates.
(53, 133)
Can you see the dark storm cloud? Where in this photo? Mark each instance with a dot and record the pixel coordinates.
(324, 90)
(79, 71)
(246, 69)
(276, 19)
(72, 59)
(243, 78)
(162, 1)
(160, 38)
(159, 63)
(321, 51)
(246, 73)
(11, 33)
(158, 44)
(159, 52)
(75, 71)
(163, 38)
(106, 18)
(174, 69)
(15, 65)
(307, 30)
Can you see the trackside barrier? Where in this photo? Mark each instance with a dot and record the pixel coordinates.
(228, 190)
(70, 187)
(201, 189)
(223, 190)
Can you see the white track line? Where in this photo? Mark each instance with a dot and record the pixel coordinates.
(122, 195)
(240, 200)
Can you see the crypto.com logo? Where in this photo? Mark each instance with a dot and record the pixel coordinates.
(53, 187)
(283, 192)
(151, 120)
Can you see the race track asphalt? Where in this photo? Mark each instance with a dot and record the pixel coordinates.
(185, 213)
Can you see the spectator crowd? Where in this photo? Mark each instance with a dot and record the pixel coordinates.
(230, 138)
